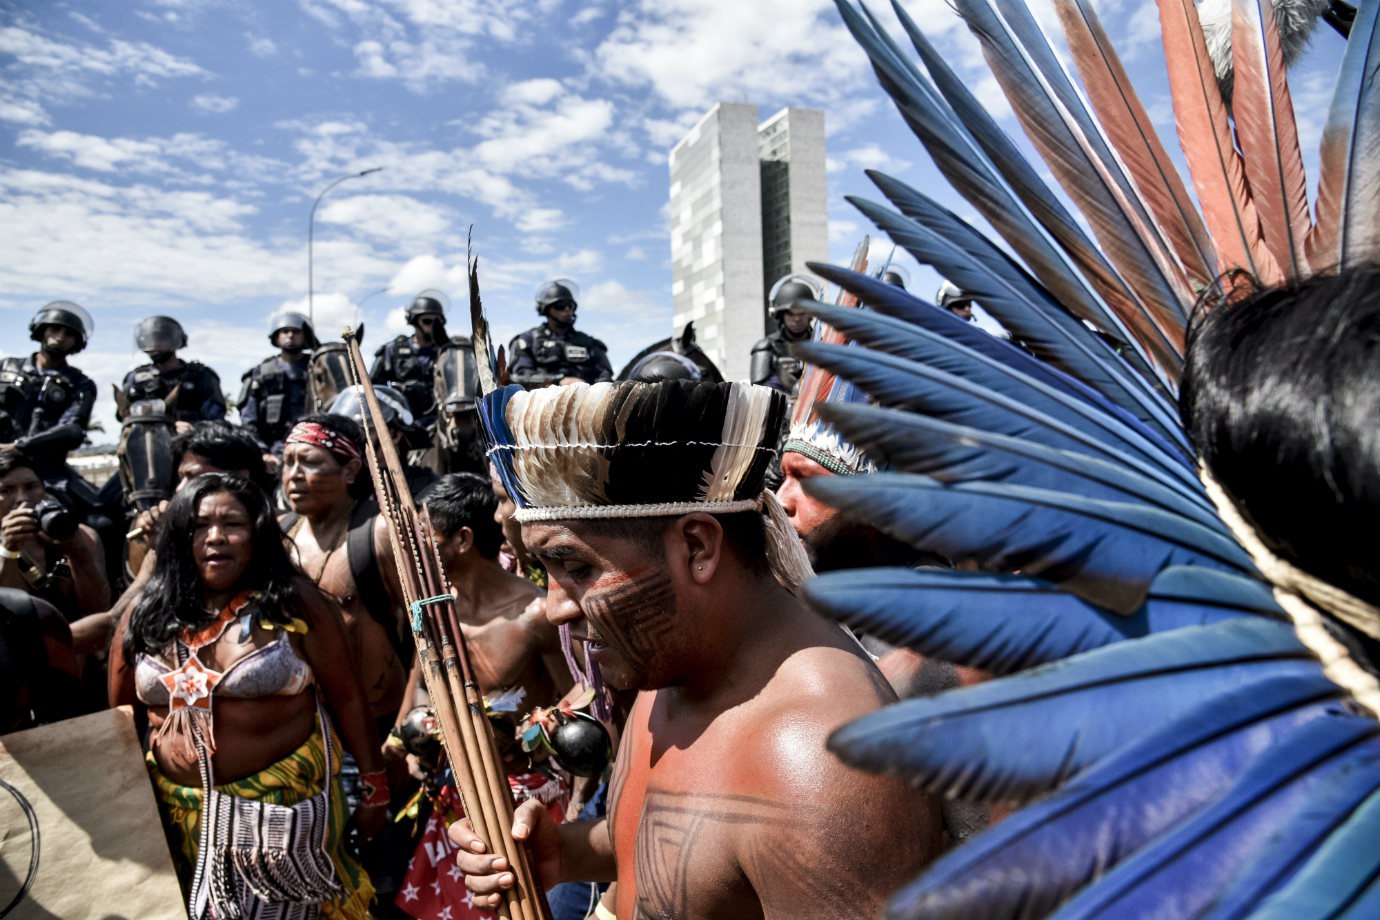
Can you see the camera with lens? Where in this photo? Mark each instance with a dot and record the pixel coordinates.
(55, 519)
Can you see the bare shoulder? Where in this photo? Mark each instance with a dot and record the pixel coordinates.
(837, 816)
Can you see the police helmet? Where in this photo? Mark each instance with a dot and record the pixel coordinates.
(559, 291)
(951, 295)
(791, 290)
(665, 365)
(291, 319)
(159, 334)
(430, 301)
(895, 276)
(67, 314)
(395, 409)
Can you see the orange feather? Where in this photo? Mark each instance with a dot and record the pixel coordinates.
(1268, 135)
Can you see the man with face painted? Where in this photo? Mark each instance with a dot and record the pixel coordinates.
(408, 362)
(199, 398)
(45, 403)
(678, 573)
(555, 352)
(274, 392)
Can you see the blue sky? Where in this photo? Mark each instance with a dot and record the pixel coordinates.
(161, 156)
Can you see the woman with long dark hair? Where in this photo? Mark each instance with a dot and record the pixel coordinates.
(244, 670)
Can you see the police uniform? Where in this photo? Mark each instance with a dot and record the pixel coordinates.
(542, 356)
(199, 399)
(410, 369)
(274, 397)
(772, 363)
(44, 412)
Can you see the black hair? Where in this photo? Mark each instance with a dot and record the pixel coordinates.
(171, 601)
(11, 460)
(1281, 397)
(363, 485)
(465, 500)
(744, 533)
(224, 446)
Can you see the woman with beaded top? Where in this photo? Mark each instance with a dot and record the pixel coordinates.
(244, 670)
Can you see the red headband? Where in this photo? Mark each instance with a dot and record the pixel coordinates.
(340, 447)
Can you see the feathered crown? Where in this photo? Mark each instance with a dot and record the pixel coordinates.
(811, 436)
(632, 449)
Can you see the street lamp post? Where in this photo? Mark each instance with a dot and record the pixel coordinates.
(311, 233)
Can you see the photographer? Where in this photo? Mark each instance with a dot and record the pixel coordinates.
(46, 552)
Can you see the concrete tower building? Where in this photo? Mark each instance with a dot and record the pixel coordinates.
(748, 205)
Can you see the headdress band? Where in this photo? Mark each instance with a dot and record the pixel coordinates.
(1302, 595)
(317, 435)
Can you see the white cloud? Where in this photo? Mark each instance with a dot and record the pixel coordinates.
(91, 152)
(392, 220)
(695, 52)
(214, 105)
(868, 156)
(23, 112)
(144, 62)
(539, 220)
(261, 46)
(532, 92)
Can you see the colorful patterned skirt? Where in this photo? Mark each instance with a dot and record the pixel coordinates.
(295, 778)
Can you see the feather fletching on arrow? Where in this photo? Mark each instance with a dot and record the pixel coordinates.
(1205, 135)
(1334, 757)
(1131, 132)
(1105, 552)
(1056, 715)
(1346, 232)
(1034, 860)
(998, 623)
(1268, 135)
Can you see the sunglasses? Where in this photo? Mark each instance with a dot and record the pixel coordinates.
(428, 320)
(564, 305)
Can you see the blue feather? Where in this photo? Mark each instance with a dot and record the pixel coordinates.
(904, 340)
(1355, 778)
(1036, 858)
(1017, 737)
(493, 420)
(898, 383)
(1342, 880)
(1047, 325)
(951, 453)
(1089, 173)
(1029, 217)
(1104, 552)
(999, 623)
(1182, 873)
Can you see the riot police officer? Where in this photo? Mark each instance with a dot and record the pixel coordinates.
(408, 362)
(198, 395)
(772, 364)
(274, 393)
(956, 300)
(554, 352)
(45, 403)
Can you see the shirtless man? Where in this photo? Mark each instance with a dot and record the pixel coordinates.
(724, 801)
(325, 485)
(511, 644)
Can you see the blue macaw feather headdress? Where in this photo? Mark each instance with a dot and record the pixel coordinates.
(1184, 748)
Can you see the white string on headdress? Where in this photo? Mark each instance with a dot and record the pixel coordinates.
(1302, 596)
